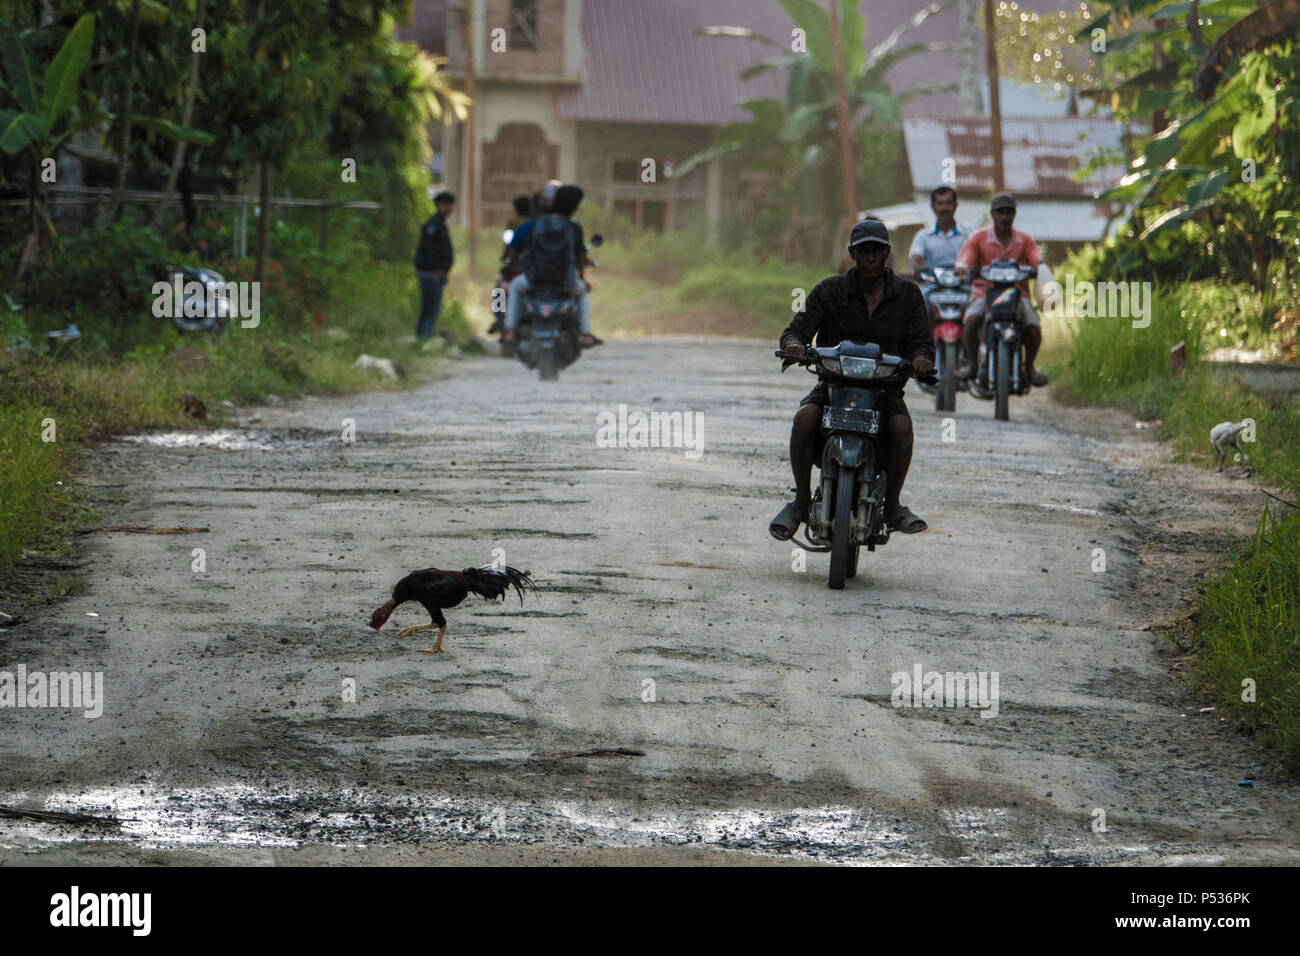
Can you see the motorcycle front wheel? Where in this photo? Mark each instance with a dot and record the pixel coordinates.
(1002, 405)
(842, 529)
(945, 399)
(547, 367)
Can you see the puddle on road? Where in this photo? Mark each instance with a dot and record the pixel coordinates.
(246, 438)
(227, 439)
(224, 439)
(156, 818)
(1071, 509)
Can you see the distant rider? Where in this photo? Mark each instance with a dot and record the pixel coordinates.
(550, 231)
(937, 248)
(985, 246)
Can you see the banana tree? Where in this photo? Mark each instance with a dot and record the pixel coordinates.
(41, 118)
(1230, 154)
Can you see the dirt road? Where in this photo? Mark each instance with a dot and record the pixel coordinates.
(668, 622)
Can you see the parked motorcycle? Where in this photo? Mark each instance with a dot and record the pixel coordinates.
(195, 311)
(548, 336)
(947, 296)
(1002, 370)
(848, 504)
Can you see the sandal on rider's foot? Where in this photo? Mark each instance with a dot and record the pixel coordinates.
(965, 373)
(902, 519)
(1037, 378)
(589, 340)
(785, 524)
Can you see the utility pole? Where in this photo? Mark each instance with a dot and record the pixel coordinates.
(968, 95)
(846, 130)
(995, 99)
(471, 132)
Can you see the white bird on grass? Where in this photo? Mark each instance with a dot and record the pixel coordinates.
(1224, 436)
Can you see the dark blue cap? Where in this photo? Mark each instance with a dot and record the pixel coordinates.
(869, 230)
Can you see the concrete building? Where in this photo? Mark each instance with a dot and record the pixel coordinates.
(591, 91)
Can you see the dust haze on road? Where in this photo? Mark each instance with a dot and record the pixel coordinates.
(772, 734)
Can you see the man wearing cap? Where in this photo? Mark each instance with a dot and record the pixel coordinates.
(869, 303)
(999, 241)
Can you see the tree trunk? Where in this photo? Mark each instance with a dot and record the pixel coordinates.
(844, 120)
(124, 160)
(264, 223)
(187, 115)
(190, 211)
(995, 97)
(39, 225)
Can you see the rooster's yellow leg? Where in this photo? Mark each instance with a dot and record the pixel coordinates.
(411, 630)
(437, 645)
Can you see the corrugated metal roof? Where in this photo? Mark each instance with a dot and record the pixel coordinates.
(642, 64)
(1039, 154)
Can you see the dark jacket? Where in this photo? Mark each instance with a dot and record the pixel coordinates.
(837, 310)
(434, 254)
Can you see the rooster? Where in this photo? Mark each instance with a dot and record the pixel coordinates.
(436, 590)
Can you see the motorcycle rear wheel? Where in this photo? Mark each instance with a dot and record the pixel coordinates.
(842, 529)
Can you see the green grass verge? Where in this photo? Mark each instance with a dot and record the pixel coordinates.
(1247, 625)
(87, 394)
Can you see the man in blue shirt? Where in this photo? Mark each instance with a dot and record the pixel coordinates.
(937, 248)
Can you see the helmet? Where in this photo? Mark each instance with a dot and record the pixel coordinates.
(548, 195)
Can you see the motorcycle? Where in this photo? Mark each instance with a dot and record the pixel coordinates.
(198, 310)
(548, 333)
(848, 504)
(1002, 370)
(947, 296)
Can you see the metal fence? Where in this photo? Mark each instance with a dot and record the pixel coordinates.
(76, 208)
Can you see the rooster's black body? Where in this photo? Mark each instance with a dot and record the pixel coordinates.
(436, 590)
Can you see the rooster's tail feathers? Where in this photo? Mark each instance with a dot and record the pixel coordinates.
(492, 583)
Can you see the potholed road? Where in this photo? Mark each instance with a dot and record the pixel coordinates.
(668, 622)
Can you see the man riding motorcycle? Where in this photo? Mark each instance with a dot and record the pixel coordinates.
(1000, 241)
(869, 303)
(512, 259)
(563, 202)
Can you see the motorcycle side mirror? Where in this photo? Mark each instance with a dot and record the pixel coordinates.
(597, 241)
(507, 236)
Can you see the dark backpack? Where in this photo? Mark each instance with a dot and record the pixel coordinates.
(551, 253)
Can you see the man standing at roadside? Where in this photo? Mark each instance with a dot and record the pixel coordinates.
(433, 259)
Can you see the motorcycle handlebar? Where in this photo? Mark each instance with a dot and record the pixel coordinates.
(811, 357)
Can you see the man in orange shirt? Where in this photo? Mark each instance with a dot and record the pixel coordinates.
(999, 241)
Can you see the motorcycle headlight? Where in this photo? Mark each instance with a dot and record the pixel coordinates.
(854, 367)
